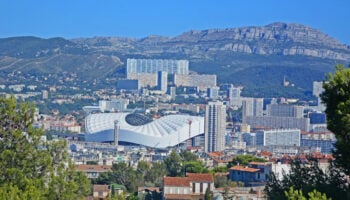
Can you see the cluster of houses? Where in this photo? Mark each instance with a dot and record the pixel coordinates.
(253, 178)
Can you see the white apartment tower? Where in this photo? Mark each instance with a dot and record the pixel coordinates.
(234, 92)
(162, 81)
(285, 110)
(154, 65)
(252, 107)
(214, 130)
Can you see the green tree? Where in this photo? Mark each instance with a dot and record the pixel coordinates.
(156, 174)
(336, 97)
(221, 181)
(174, 164)
(292, 194)
(29, 166)
(195, 167)
(208, 195)
(220, 169)
(187, 156)
(316, 195)
(308, 177)
(245, 160)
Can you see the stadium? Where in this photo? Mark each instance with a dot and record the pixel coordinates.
(166, 131)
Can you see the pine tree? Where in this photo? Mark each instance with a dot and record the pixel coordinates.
(336, 97)
(29, 167)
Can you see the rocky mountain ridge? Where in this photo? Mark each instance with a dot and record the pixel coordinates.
(247, 56)
(273, 39)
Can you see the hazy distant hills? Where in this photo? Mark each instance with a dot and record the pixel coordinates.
(257, 57)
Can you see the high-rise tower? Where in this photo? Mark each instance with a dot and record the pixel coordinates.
(215, 122)
(162, 81)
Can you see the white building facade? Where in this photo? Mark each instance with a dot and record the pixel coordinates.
(215, 123)
(155, 65)
(278, 137)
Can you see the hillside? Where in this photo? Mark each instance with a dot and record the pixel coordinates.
(255, 57)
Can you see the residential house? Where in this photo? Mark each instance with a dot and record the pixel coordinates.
(193, 186)
(255, 174)
(100, 192)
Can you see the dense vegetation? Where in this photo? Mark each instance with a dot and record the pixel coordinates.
(245, 160)
(30, 167)
(337, 100)
(307, 177)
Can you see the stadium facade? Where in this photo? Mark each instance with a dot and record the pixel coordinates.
(166, 131)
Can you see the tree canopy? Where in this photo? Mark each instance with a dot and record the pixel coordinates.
(245, 160)
(307, 177)
(30, 167)
(336, 97)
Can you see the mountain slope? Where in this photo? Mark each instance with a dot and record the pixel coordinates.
(246, 55)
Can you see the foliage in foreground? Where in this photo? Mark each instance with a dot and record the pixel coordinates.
(298, 195)
(307, 177)
(31, 168)
(336, 97)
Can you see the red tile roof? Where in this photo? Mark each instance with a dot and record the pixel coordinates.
(176, 181)
(329, 156)
(200, 177)
(185, 181)
(216, 154)
(266, 153)
(244, 169)
(101, 188)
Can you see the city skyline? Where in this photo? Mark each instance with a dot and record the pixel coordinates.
(74, 19)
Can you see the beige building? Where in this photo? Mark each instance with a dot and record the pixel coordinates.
(145, 79)
(201, 81)
(100, 191)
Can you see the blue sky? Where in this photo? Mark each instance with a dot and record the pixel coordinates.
(139, 18)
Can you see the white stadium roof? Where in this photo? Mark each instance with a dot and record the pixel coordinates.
(166, 131)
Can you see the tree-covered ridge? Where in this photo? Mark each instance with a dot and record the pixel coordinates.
(30, 167)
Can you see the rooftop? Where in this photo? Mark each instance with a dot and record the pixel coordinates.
(101, 188)
(176, 181)
(244, 169)
(200, 177)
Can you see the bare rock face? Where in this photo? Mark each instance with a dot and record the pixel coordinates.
(273, 39)
(276, 38)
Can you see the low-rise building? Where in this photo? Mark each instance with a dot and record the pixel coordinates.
(255, 174)
(193, 186)
(100, 191)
